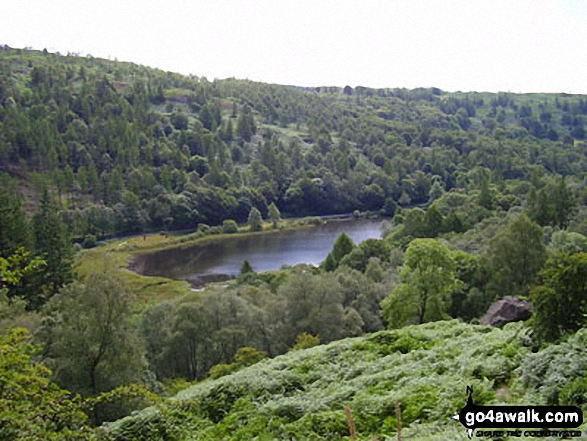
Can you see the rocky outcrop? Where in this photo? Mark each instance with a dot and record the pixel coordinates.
(507, 310)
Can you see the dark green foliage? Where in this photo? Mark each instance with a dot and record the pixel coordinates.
(31, 406)
(179, 121)
(515, 256)
(433, 222)
(88, 336)
(246, 267)
(125, 149)
(93, 129)
(485, 199)
(560, 303)
(245, 356)
(305, 341)
(229, 226)
(89, 241)
(359, 257)
(13, 227)
(274, 215)
(246, 127)
(53, 245)
(342, 246)
(255, 220)
(427, 281)
(564, 204)
(552, 205)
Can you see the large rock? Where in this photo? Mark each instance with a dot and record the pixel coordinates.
(509, 309)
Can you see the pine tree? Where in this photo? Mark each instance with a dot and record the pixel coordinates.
(343, 245)
(13, 227)
(53, 245)
(274, 214)
(246, 267)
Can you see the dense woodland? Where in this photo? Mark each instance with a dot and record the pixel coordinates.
(483, 195)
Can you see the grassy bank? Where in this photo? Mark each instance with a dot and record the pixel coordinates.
(156, 289)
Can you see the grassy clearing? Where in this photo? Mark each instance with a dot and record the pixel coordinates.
(119, 253)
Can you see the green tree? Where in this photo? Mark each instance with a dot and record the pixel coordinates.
(246, 267)
(245, 126)
(31, 406)
(436, 191)
(53, 245)
(427, 282)
(343, 245)
(14, 232)
(14, 269)
(274, 214)
(564, 204)
(305, 341)
(247, 356)
(255, 220)
(216, 176)
(560, 303)
(130, 216)
(229, 226)
(433, 222)
(313, 305)
(564, 240)
(515, 256)
(179, 120)
(414, 223)
(359, 257)
(89, 336)
(485, 199)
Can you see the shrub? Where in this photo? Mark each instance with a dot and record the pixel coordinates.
(229, 226)
(203, 228)
(89, 241)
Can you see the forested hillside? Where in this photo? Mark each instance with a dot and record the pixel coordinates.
(129, 148)
(482, 196)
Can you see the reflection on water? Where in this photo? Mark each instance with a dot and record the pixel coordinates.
(222, 259)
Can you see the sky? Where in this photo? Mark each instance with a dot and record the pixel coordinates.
(455, 45)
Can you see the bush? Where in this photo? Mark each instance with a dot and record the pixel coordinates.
(222, 369)
(121, 402)
(89, 241)
(229, 226)
(203, 228)
(305, 341)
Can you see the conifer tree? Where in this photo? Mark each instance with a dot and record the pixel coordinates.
(13, 227)
(342, 246)
(53, 245)
(274, 214)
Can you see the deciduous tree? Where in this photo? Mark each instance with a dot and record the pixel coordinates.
(560, 303)
(255, 220)
(515, 256)
(427, 281)
(89, 337)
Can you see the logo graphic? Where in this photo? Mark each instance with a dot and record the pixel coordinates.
(546, 418)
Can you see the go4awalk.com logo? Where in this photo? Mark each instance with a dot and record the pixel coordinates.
(546, 421)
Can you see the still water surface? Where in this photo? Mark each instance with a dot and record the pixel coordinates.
(222, 259)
